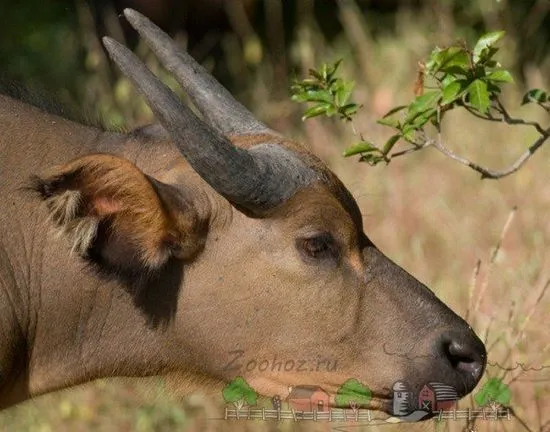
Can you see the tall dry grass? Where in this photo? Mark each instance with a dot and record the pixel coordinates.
(481, 245)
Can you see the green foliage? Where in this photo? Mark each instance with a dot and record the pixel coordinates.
(325, 93)
(452, 77)
(238, 392)
(353, 394)
(537, 96)
(493, 390)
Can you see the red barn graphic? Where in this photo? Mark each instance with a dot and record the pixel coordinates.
(308, 398)
(426, 399)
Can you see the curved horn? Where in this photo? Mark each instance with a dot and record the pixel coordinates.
(215, 103)
(256, 180)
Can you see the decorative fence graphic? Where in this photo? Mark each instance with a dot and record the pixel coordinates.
(337, 415)
(485, 414)
(292, 414)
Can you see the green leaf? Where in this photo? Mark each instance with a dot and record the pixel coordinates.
(422, 103)
(500, 76)
(316, 110)
(408, 133)
(394, 110)
(344, 92)
(316, 74)
(424, 118)
(493, 87)
(390, 143)
(452, 59)
(335, 85)
(309, 83)
(348, 110)
(486, 55)
(360, 147)
(479, 96)
(456, 63)
(331, 110)
(324, 72)
(332, 69)
(433, 61)
(318, 96)
(492, 64)
(535, 96)
(391, 122)
(371, 159)
(486, 41)
(299, 97)
(452, 91)
(448, 79)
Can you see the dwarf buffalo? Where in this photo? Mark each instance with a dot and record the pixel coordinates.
(190, 249)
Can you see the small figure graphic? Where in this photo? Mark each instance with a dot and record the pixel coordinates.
(276, 402)
(402, 399)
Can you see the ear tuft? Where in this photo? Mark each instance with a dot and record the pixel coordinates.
(118, 217)
(82, 233)
(64, 206)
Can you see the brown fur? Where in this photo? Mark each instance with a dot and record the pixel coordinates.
(143, 217)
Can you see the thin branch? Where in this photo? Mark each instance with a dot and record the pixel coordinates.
(482, 117)
(495, 342)
(525, 323)
(410, 150)
(487, 172)
(515, 121)
(471, 289)
(506, 118)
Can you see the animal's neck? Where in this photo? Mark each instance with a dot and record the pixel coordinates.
(84, 327)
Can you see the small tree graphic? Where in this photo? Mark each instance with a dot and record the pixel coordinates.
(239, 393)
(493, 393)
(353, 394)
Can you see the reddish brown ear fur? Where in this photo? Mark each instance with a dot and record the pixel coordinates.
(112, 211)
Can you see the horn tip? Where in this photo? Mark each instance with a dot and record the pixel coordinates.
(132, 14)
(107, 41)
(110, 44)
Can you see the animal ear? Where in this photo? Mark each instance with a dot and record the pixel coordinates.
(119, 217)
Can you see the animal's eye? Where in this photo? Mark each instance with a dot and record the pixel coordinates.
(318, 247)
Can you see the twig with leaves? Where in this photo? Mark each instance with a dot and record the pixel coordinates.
(453, 77)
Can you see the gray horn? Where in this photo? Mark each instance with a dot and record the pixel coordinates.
(254, 180)
(215, 103)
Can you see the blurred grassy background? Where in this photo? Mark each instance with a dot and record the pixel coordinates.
(432, 216)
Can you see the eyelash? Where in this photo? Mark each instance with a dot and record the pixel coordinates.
(318, 247)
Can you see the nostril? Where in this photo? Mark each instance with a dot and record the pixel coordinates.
(461, 357)
(465, 353)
